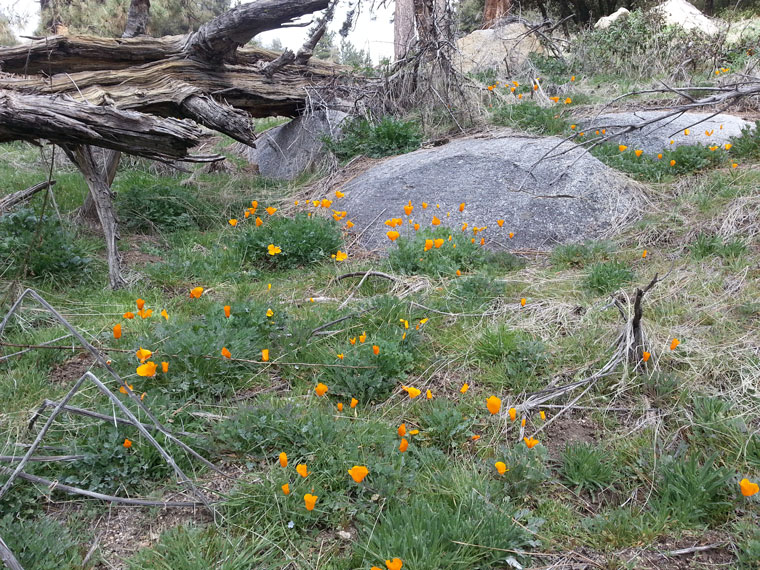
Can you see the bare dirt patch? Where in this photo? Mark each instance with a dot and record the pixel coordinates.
(568, 428)
(134, 256)
(72, 369)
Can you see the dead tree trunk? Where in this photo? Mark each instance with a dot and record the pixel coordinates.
(494, 11)
(95, 174)
(403, 28)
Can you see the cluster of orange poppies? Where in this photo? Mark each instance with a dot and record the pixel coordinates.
(393, 235)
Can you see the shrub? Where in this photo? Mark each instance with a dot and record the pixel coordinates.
(43, 544)
(531, 117)
(527, 468)
(376, 382)
(387, 137)
(302, 239)
(587, 467)
(520, 355)
(151, 207)
(608, 276)
(581, 254)
(688, 159)
(748, 144)
(444, 425)
(410, 256)
(49, 251)
(693, 494)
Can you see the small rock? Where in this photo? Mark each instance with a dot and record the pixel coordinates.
(344, 535)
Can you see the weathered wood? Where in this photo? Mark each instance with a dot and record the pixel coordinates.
(219, 39)
(100, 190)
(15, 198)
(137, 18)
(65, 121)
(7, 557)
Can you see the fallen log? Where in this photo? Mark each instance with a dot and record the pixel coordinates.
(15, 198)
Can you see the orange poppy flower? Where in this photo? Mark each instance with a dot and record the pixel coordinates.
(501, 467)
(273, 249)
(523, 301)
(401, 430)
(363, 337)
(340, 406)
(321, 389)
(461, 207)
(164, 367)
(285, 489)
(686, 132)
(140, 304)
(270, 210)
(394, 564)
(354, 402)
(375, 349)
(232, 222)
(568, 101)
(408, 209)
(265, 355)
(358, 473)
(555, 99)
(123, 390)
(128, 315)
(259, 221)
(674, 343)
(302, 470)
(341, 256)
(672, 163)
(283, 459)
(393, 235)
(413, 392)
(659, 156)
(340, 355)
(117, 331)
(436, 221)
(349, 224)
(310, 501)
(429, 395)
(428, 244)
(646, 356)
(512, 414)
(500, 223)
(147, 370)
(464, 388)
(339, 194)
(404, 445)
(727, 146)
(748, 488)
(127, 444)
(164, 314)
(196, 292)
(416, 227)
(226, 353)
(143, 355)
(438, 243)
(638, 153)
(530, 442)
(622, 147)
(542, 415)
(326, 203)
(522, 422)
(734, 165)
(493, 404)
(475, 437)
(227, 310)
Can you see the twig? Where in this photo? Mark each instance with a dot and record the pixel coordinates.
(366, 273)
(56, 486)
(92, 414)
(682, 551)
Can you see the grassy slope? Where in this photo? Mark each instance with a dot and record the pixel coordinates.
(646, 461)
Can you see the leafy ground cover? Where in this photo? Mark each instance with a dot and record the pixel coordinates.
(356, 425)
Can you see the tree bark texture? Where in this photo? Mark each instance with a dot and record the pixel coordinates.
(494, 11)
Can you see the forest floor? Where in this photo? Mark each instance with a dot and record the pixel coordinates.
(638, 468)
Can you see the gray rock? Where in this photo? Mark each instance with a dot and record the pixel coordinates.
(657, 136)
(285, 152)
(568, 198)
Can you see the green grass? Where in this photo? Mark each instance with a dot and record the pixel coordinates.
(641, 484)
